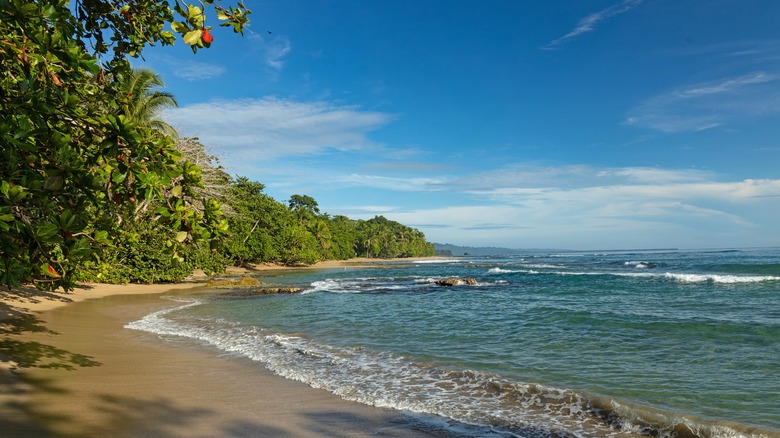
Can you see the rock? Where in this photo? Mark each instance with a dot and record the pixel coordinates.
(247, 281)
(277, 290)
(457, 281)
(228, 283)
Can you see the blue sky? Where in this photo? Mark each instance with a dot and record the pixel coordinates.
(589, 124)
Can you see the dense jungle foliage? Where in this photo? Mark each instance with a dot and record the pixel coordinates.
(260, 230)
(94, 187)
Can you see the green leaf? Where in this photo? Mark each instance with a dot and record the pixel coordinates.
(181, 236)
(118, 177)
(194, 13)
(222, 16)
(66, 220)
(176, 191)
(102, 237)
(79, 250)
(179, 27)
(47, 231)
(54, 183)
(192, 37)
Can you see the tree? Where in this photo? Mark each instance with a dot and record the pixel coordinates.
(256, 223)
(380, 237)
(321, 232)
(72, 163)
(304, 207)
(142, 102)
(343, 238)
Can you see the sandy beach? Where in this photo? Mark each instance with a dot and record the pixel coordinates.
(69, 368)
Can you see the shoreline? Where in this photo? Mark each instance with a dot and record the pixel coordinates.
(29, 299)
(108, 380)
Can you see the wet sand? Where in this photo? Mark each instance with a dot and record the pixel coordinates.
(105, 380)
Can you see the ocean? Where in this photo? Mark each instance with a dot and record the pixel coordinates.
(591, 344)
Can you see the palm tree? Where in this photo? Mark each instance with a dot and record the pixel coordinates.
(144, 102)
(319, 229)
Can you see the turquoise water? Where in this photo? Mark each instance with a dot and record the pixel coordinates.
(669, 343)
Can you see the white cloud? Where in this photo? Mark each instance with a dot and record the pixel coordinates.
(580, 206)
(391, 183)
(187, 69)
(517, 205)
(366, 211)
(724, 86)
(531, 177)
(197, 71)
(250, 131)
(588, 23)
(702, 106)
(272, 48)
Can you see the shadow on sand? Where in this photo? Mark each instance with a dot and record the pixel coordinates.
(16, 417)
(29, 354)
(129, 417)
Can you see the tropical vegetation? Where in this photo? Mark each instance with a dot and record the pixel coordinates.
(264, 230)
(93, 185)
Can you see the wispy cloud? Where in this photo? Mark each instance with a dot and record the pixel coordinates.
(391, 183)
(523, 205)
(251, 131)
(272, 48)
(187, 69)
(589, 23)
(702, 106)
(406, 166)
(743, 52)
(517, 204)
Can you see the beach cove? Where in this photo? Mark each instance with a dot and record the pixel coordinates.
(110, 381)
(623, 344)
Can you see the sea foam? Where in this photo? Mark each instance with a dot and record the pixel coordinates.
(726, 279)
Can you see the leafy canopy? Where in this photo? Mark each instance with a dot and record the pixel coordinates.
(74, 160)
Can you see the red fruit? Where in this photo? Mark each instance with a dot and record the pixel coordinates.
(206, 35)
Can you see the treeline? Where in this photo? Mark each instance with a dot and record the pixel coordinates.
(259, 229)
(264, 230)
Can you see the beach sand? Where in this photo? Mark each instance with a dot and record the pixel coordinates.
(106, 380)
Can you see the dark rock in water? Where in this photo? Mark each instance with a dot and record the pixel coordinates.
(457, 281)
(276, 290)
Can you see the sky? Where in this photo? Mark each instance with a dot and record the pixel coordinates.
(588, 124)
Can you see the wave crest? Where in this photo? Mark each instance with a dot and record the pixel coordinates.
(715, 278)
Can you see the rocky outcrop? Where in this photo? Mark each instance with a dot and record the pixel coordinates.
(248, 286)
(231, 283)
(457, 281)
(276, 290)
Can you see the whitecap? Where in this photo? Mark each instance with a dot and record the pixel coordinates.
(714, 278)
(640, 264)
(501, 271)
(427, 262)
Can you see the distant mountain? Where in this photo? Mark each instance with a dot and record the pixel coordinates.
(446, 249)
